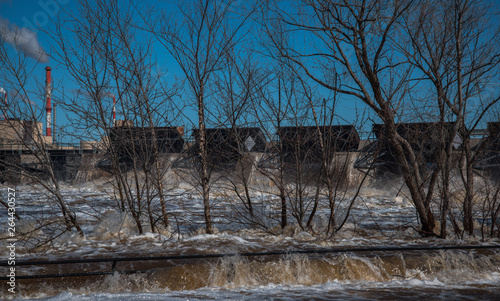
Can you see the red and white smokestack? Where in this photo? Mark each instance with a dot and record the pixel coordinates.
(114, 110)
(48, 92)
(55, 124)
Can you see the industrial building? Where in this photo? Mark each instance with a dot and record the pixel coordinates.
(136, 144)
(488, 152)
(424, 138)
(225, 146)
(244, 150)
(25, 148)
(310, 144)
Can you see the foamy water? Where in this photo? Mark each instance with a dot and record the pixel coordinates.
(451, 275)
(377, 218)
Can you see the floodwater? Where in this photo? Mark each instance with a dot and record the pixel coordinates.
(378, 218)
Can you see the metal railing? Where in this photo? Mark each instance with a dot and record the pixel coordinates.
(23, 148)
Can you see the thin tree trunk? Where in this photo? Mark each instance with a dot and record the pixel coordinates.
(205, 185)
(469, 191)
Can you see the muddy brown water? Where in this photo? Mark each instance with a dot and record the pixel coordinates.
(451, 268)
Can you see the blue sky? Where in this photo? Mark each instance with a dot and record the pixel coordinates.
(37, 14)
(37, 17)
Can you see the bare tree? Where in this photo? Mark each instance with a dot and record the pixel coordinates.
(198, 36)
(272, 108)
(331, 148)
(103, 56)
(454, 45)
(351, 41)
(29, 158)
(235, 90)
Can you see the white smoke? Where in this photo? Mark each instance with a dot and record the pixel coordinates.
(2, 91)
(22, 39)
(108, 94)
(25, 99)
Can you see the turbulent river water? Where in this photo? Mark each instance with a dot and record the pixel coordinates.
(378, 218)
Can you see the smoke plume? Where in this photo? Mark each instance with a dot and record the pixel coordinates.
(108, 94)
(2, 91)
(22, 39)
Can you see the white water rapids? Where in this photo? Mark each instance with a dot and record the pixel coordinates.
(379, 218)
